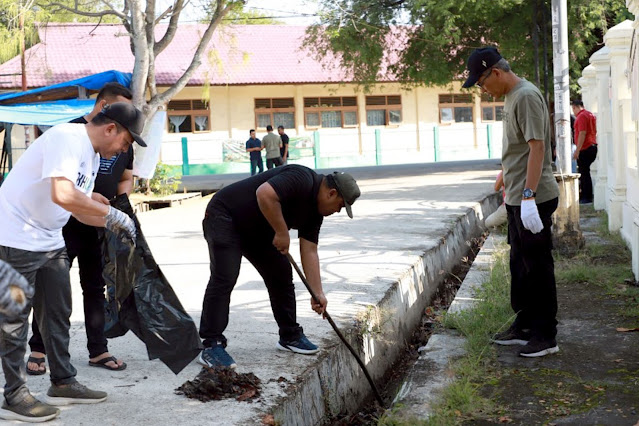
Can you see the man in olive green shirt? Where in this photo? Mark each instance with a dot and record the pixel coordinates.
(532, 196)
(272, 143)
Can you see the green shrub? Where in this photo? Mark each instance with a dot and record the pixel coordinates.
(166, 179)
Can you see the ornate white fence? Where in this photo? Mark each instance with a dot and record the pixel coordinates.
(610, 90)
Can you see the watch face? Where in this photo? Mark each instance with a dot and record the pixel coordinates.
(528, 193)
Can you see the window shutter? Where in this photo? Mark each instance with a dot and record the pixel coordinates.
(394, 100)
(349, 101)
(262, 103)
(283, 103)
(375, 100)
(179, 105)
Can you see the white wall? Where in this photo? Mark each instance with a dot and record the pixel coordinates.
(610, 89)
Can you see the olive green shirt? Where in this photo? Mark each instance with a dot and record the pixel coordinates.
(272, 143)
(525, 118)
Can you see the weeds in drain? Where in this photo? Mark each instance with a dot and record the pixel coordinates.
(371, 321)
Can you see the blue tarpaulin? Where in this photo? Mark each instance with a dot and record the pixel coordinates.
(91, 82)
(62, 111)
(46, 113)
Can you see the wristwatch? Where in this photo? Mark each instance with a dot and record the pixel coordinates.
(528, 193)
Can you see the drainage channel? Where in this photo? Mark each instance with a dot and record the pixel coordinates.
(334, 390)
(369, 413)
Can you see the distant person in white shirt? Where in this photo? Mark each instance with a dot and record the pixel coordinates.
(51, 181)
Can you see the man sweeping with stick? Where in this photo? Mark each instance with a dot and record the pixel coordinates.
(251, 218)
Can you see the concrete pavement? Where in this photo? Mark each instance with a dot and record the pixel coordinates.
(379, 270)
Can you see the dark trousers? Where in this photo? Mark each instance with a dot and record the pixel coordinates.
(48, 272)
(585, 159)
(533, 293)
(226, 249)
(255, 165)
(85, 243)
(274, 162)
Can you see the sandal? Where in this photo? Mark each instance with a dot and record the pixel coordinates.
(103, 361)
(40, 362)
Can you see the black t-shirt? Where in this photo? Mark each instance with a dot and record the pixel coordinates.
(111, 170)
(297, 188)
(284, 138)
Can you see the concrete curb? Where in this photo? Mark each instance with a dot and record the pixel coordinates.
(335, 384)
(431, 374)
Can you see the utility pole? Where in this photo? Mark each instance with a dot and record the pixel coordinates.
(561, 84)
(23, 47)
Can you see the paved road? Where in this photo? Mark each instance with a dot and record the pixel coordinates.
(403, 211)
(215, 182)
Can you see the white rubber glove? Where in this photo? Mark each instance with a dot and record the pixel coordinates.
(530, 216)
(13, 301)
(117, 220)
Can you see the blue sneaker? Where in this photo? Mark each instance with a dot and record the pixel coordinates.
(216, 356)
(301, 345)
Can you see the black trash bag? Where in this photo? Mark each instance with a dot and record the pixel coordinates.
(147, 304)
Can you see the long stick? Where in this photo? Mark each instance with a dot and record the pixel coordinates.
(339, 333)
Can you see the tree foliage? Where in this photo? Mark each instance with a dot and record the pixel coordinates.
(11, 32)
(428, 41)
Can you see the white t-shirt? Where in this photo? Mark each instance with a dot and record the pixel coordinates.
(29, 219)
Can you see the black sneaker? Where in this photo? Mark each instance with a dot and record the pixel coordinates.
(537, 347)
(301, 345)
(74, 393)
(27, 409)
(513, 336)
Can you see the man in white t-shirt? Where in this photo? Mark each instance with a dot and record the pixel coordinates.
(52, 180)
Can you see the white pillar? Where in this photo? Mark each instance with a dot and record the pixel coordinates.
(631, 210)
(600, 60)
(617, 39)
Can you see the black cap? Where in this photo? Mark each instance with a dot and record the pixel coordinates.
(478, 62)
(347, 188)
(128, 116)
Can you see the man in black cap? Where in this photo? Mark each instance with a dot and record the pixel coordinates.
(114, 177)
(531, 198)
(52, 180)
(251, 218)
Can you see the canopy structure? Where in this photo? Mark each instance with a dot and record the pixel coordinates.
(58, 103)
(46, 113)
(50, 105)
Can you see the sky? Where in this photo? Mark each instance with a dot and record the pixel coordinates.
(289, 12)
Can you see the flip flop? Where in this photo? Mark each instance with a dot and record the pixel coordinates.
(103, 361)
(39, 361)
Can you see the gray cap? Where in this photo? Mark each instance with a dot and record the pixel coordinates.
(347, 188)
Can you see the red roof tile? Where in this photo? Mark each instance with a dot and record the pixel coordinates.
(243, 54)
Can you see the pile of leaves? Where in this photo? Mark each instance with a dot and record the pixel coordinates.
(220, 383)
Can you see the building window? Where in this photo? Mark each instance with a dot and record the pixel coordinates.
(383, 110)
(186, 116)
(456, 108)
(491, 110)
(274, 111)
(330, 112)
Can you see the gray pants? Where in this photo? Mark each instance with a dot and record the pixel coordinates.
(49, 273)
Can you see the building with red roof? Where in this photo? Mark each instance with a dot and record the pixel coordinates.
(254, 75)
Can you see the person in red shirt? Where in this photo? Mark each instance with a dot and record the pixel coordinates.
(585, 135)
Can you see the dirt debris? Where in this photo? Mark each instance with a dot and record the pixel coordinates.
(221, 383)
